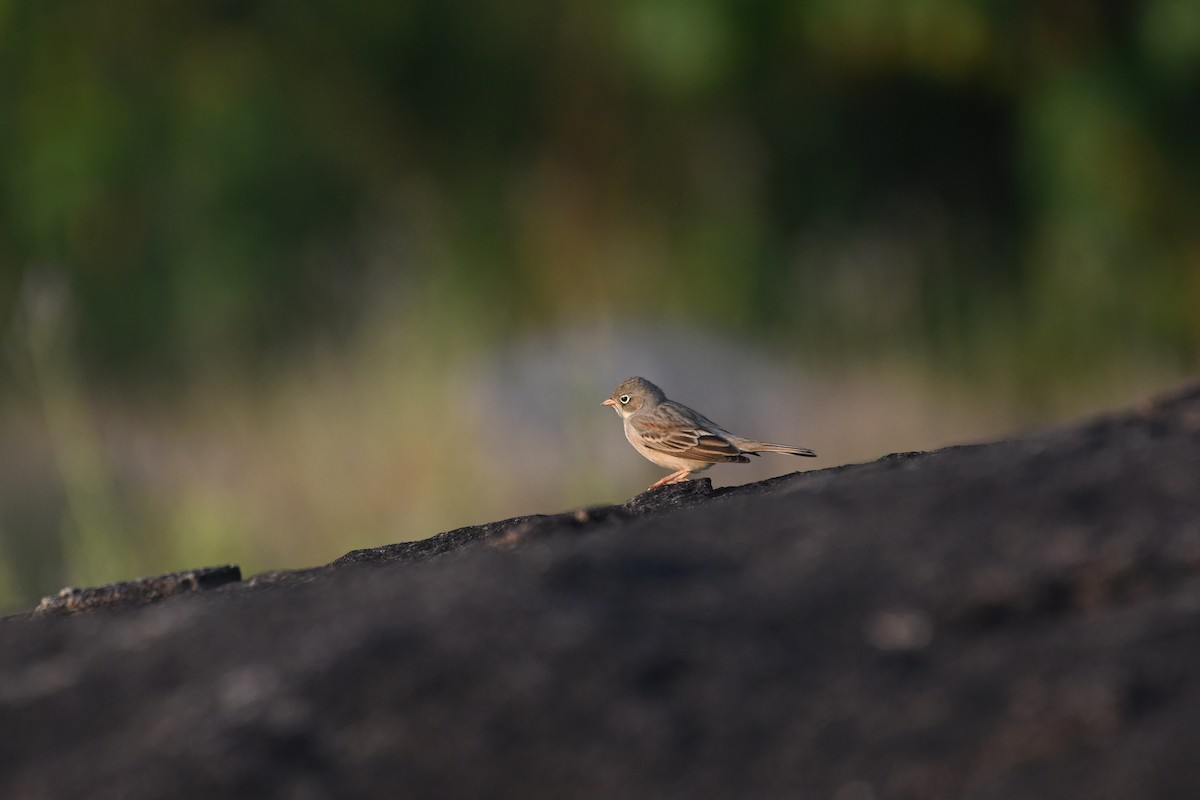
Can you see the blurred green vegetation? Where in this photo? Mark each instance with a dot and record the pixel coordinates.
(206, 210)
(216, 179)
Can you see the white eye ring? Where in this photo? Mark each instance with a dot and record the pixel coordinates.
(624, 399)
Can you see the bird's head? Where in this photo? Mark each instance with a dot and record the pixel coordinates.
(633, 395)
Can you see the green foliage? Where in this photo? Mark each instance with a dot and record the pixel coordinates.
(215, 179)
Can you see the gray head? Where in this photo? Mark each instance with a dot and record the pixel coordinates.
(633, 395)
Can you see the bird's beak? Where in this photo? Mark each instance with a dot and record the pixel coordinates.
(609, 402)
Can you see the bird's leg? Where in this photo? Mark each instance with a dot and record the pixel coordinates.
(674, 477)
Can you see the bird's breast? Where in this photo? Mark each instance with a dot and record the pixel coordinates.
(658, 457)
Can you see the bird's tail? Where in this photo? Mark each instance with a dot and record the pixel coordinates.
(751, 446)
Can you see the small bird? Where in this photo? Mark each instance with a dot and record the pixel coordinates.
(675, 437)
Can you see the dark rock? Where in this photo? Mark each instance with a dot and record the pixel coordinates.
(1018, 619)
(137, 592)
(442, 543)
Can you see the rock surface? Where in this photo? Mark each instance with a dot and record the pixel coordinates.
(1009, 620)
(141, 591)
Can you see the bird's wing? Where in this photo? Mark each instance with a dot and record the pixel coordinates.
(673, 432)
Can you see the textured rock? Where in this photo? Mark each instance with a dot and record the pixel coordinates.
(1018, 619)
(137, 592)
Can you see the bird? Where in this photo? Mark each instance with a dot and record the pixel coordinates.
(678, 438)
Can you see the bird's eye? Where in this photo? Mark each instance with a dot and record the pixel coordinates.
(624, 399)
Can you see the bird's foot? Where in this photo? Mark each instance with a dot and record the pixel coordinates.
(674, 477)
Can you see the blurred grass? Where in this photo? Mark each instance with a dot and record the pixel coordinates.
(278, 281)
